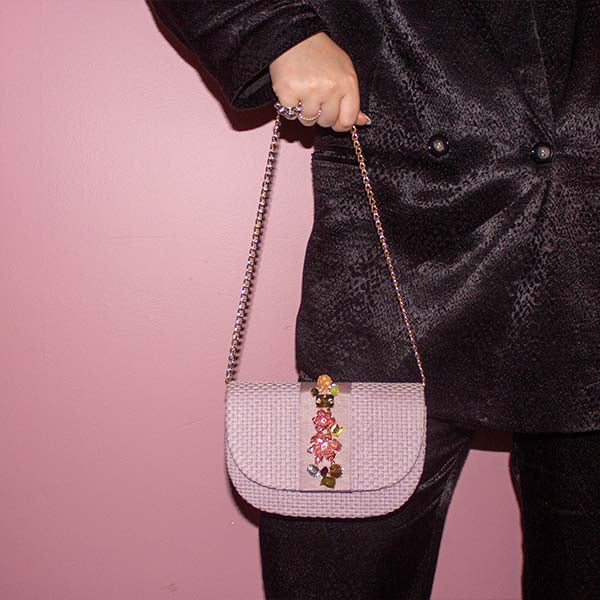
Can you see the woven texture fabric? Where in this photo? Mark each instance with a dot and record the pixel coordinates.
(388, 441)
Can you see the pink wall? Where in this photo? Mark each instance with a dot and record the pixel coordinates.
(122, 245)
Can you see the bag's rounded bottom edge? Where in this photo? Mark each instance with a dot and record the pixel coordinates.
(346, 505)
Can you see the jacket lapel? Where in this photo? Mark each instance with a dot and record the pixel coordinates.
(513, 29)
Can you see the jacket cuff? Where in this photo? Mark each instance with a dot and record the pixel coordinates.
(250, 84)
(237, 41)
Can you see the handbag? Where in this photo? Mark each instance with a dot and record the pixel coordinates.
(324, 448)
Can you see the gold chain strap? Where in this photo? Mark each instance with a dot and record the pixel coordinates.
(242, 310)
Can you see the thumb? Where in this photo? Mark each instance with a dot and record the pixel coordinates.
(363, 119)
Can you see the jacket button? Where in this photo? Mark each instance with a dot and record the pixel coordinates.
(437, 145)
(542, 152)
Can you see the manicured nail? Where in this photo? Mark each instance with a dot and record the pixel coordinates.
(368, 119)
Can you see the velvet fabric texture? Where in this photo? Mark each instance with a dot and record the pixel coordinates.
(497, 253)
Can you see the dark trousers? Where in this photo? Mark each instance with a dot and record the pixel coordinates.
(393, 556)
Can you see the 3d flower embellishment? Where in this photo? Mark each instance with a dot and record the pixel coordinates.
(325, 391)
(323, 420)
(323, 444)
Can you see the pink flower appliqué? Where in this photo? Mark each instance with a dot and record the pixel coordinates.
(323, 420)
(324, 446)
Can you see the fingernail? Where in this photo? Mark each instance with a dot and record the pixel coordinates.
(368, 119)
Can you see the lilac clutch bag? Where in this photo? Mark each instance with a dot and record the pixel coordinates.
(323, 449)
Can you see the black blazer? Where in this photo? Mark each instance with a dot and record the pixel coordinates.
(495, 229)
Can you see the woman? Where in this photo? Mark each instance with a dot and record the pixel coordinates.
(484, 158)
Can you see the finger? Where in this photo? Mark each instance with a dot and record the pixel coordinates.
(330, 107)
(363, 119)
(287, 99)
(310, 108)
(349, 111)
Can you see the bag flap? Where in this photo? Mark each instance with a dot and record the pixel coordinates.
(384, 427)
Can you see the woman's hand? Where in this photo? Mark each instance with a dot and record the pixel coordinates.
(320, 74)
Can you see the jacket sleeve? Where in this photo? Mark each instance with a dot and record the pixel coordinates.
(236, 41)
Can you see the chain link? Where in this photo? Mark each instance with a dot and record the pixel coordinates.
(243, 305)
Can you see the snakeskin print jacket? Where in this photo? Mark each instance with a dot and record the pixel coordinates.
(484, 157)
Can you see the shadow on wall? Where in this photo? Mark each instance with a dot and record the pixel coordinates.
(240, 120)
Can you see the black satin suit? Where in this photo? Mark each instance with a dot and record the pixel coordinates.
(498, 255)
(494, 229)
